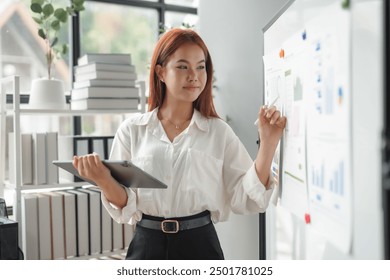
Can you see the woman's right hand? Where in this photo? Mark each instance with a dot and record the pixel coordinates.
(91, 167)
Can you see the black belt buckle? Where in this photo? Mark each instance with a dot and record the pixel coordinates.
(170, 226)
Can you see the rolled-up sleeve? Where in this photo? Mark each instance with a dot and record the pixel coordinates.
(125, 214)
(246, 193)
(255, 190)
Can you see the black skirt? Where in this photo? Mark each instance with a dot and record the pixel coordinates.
(199, 243)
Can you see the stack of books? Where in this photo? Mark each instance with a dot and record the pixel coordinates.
(104, 81)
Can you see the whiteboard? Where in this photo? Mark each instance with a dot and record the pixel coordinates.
(311, 59)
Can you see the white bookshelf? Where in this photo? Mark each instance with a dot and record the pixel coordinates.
(16, 111)
(114, 255)
(69, 112)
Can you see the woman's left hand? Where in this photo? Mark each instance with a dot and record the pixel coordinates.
(271, 125)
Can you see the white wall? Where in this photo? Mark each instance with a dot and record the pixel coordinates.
(232, 30)
(367, 76)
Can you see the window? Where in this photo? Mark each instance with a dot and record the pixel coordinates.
(120, 29)
(21, 49)
(174, 19)
(130, 26)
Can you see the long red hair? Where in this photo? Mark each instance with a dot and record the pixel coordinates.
(166, 46)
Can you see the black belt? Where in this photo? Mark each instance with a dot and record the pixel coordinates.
(174, 225)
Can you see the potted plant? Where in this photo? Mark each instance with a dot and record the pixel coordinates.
(48, 93)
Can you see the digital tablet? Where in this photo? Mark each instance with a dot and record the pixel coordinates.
(123, 171)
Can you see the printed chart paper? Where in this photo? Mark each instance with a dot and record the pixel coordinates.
(310, 74)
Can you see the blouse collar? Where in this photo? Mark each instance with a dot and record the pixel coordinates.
(151, 120)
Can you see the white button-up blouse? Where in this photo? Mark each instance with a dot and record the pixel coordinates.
(206, 167)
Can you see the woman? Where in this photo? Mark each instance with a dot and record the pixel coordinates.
(182, 142)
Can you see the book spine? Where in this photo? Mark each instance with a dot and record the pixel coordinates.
(94, 221)
(57, 225)
(106, 225)
(51, 154)
(26, 154)
(109, 146)
(65, 152)
(72, 229)
(30, 231)
(105, 58)
(117, 236)
(105, 103)
(95, 66)
(39, 140)
(82, 223)
(81, 147)
(105, 92)
(128, 232)
(104, 83)
(69, 202)
(44, 225)
(105, 75)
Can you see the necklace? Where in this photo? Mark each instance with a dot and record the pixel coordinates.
(177, 126)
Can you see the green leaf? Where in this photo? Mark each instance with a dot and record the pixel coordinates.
(345, 4)
(36, 8)
(48, 10)
(54, 42)
(55, 25)
(64, 49)
(78, 5)
(42, 34)
(60, 50)
(40, 2)
(78, 2)
(37, 20)
(79, 8)
(70, 11)
(61, 15)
